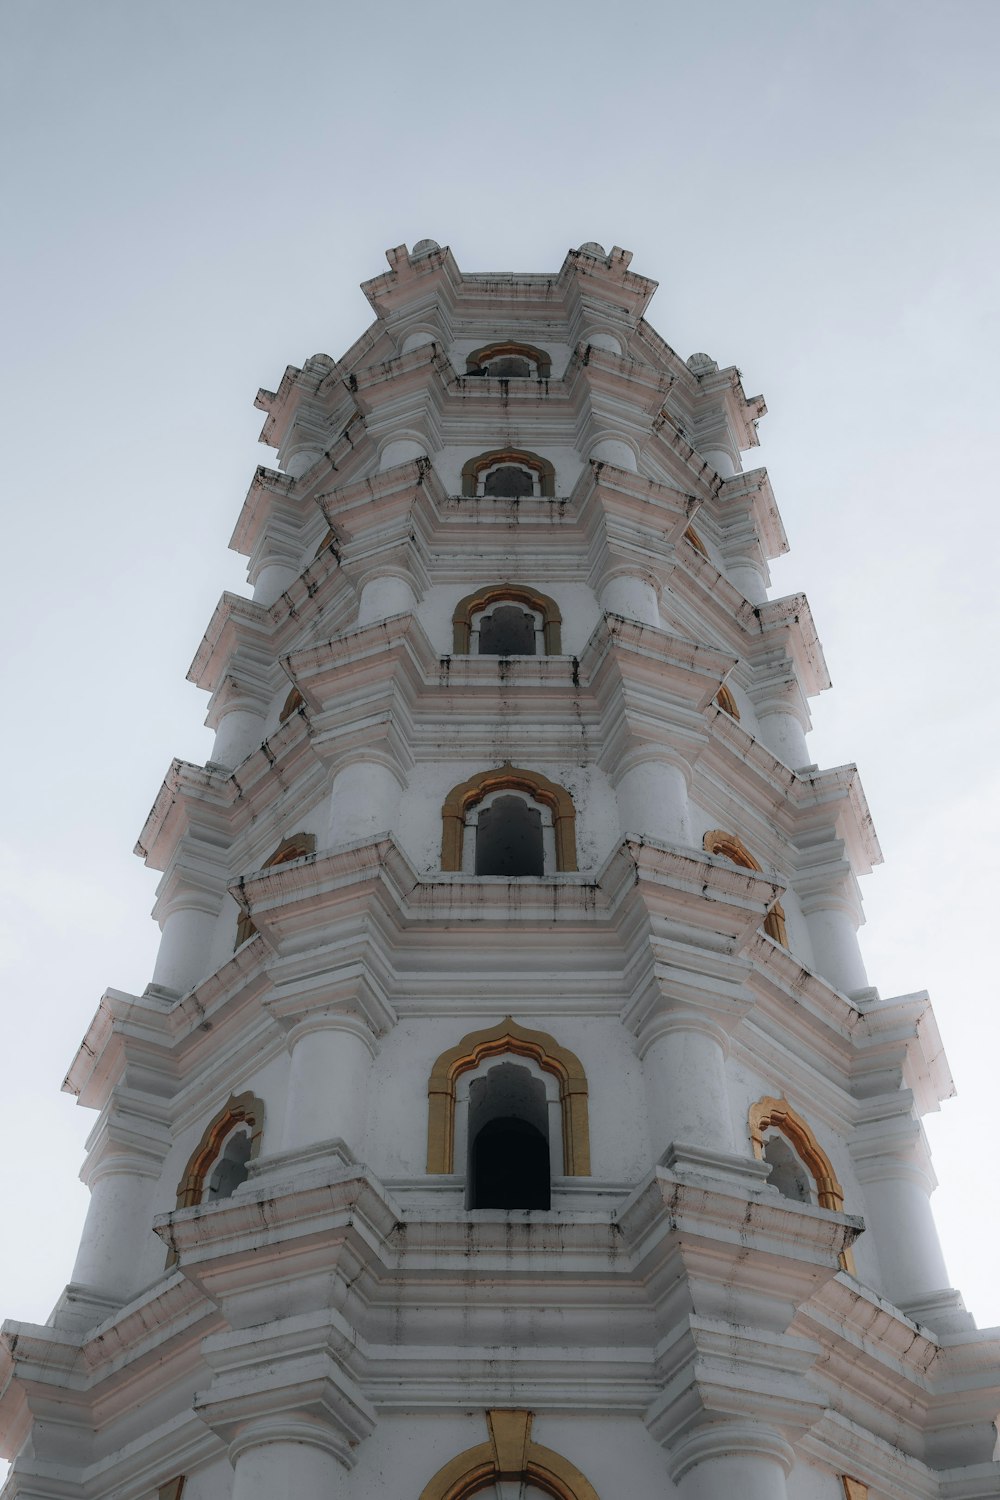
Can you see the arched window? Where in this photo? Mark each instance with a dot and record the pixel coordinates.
(509, 1463)
(295, 847)
(510, 834)
(508, 1158)
(545, 1097)
(690, 535)
(511, 473)
(731, 847)
(293, 702)
(727, 703)
(507, 620)
(800, 1168)
(221, 1159)
(509, 360)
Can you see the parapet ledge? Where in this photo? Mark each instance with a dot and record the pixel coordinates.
(753, 487)
(792, 616)
(902, 1033)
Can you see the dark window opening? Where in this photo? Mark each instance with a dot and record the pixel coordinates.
(509, 839)
(787, 1173)
(510, 1166)
(508, 482)
(231, 1169)
(508, 631)
(507, 365)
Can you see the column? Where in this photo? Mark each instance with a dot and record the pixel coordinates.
(385, 596)
(614, 451)
(118, 1248)
(182, 960)
(722, 461)
(687, 1094)
(653, 800)
(632, 597)
(727, 1459)
(364, 801)
(832, 908)
(285, 1469)
(239, 731)
(331, 1058)
(748, 578)
(893, 1167)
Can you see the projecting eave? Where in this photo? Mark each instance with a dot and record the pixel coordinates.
(791, 618)
(234, 621)
(903, 1032)
(752, 490)
(321, 385)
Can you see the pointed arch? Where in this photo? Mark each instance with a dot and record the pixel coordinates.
(465, 796)
(540, 467)
(730, 846)
(239, 1109)
(509, 1453)
(510, 349)
(517, 593)
(777, 1114)
(495, 1041)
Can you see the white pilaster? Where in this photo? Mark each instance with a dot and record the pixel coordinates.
(185, 941)
(687, 1096)
(385, 596)
(331, 1057)
(732, 1459)
(364, 801)
(653, 800)
(285, 1469)
(632, 597)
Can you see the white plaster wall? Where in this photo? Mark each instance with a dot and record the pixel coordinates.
(396, 1142)
(597, 829)
(567, 462)
(809, 1482)
(212, 1481)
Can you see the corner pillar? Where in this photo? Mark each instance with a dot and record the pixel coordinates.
(331, 1058)
(632, 597)
(364, 801)
(285, 1468)
(732, 1458)
(652, 799)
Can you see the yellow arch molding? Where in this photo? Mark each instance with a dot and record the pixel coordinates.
(732, 847)
(727, 703)
(509, 1454)
(508, 1036)
(517, 594)
(472, 469)
(239, 1109)
(778, 1114)
(464, 796)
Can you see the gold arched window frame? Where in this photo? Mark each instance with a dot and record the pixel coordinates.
(239, 1109)
(692, 536)
(296, 846)
(727, 703)
(508, 1454)
(732, 847)
(472, 469)
(496, 1041)
(513, 593)
(294, 701)
(508, 778)
(777, 1114)
(479, 357)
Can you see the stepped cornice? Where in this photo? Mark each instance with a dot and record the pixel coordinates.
(423, 281)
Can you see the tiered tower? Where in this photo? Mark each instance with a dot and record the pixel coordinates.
(509, 1111)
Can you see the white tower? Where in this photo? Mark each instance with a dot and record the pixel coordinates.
(509, 1111)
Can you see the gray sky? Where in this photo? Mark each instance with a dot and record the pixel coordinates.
(193, 193)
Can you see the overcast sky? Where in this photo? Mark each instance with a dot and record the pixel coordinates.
(194, 192)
